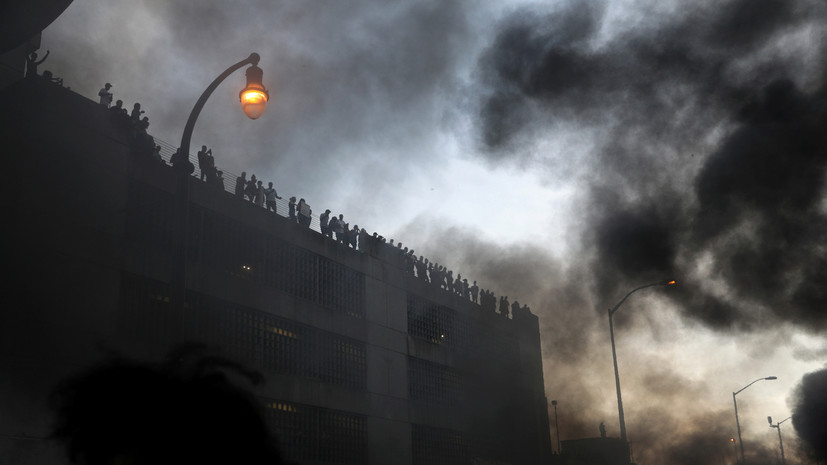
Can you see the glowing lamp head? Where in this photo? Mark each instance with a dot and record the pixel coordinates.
(254, 97)
(670, 283)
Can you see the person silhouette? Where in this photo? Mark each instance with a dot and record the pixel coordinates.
(324, 220)
(304, 212)
(240, 184)
(270, 196)
(118, 109)
(354, 236)
(602, 430)
(184, 409)
(32, 63)
(202, 161)
(339, 228)
(219, 178)
(105, 95)
(251, 189)
(291, 209)
(136, 113)
(260, 194)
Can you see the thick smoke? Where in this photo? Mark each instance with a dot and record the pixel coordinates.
(742, 226)
(810, 414)
(709, 168)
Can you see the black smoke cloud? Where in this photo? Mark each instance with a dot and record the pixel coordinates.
(741, 224)
(810, 414)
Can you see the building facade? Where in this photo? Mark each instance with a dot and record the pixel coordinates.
(365, 362)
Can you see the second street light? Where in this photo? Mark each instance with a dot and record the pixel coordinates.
(780, 442)
(614, 353)
(738, 422)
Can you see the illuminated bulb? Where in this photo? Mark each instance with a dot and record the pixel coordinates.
(254, 97)
(253, 102)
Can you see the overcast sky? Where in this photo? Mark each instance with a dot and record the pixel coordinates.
(560, 153)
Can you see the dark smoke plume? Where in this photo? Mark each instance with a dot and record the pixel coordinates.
(810, 414)
(748, 217)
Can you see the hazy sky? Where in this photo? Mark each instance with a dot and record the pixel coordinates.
(560, 153)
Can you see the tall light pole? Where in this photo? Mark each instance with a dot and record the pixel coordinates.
(737, 422)
(780, 442)
(556, 426)
(253, 102)
(614, 353)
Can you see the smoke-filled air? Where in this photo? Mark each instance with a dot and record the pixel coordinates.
(560, 153)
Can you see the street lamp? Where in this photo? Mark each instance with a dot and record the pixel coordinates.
(556, 426)
(614, 353)
(737, 422)
(780, 442)
(253, 101)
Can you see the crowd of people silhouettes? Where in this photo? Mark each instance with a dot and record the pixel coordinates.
(331, 226)
(337, 229)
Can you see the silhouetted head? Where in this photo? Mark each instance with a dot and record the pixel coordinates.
(203, 148)
(270, 184)
(327, 211)
(183, 410)
(137, 105)
(292, 199)
(243, 174)
(259, 184)
(341, 216)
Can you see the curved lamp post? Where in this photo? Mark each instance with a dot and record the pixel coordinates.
(253, 101)
(614, 353)
(780, 442)
(737, 422)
